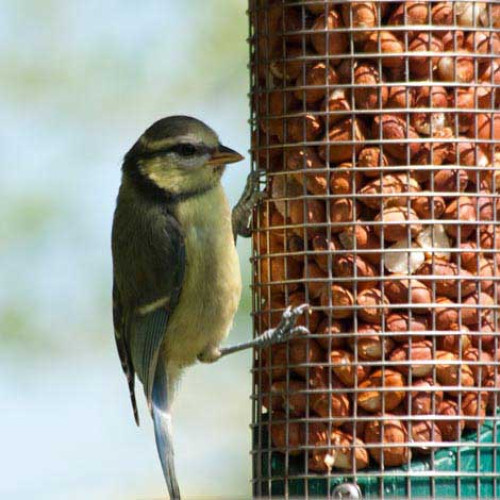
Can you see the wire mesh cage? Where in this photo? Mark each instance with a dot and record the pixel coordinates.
(378, 126)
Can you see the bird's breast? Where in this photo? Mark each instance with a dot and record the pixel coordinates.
(212, 284)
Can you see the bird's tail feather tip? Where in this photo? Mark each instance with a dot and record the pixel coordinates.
(164, 444)
(162, 421)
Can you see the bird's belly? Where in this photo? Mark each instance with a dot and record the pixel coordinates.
(212, 284)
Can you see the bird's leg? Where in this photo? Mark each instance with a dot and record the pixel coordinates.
(242, 211)
(285, 330)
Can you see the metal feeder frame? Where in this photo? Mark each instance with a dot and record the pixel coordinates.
(468, 467)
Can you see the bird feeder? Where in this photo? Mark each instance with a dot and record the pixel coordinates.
(377, 125)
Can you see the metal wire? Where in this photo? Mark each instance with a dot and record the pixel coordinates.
(377, 125)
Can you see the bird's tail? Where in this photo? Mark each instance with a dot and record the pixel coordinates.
(160, 410)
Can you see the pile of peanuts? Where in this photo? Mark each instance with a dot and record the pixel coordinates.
(378, 126)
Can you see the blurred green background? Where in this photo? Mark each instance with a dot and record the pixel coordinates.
(80, 81)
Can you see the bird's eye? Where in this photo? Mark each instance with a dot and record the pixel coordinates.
(185, 149)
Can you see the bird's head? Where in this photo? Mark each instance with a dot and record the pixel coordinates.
(178, 155)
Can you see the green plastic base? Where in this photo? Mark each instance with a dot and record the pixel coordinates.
(474, 473)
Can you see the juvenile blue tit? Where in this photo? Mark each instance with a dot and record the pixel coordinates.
(177, 283)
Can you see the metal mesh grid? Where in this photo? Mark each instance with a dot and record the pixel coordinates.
(378, 127)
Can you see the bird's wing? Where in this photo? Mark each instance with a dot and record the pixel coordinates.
(148, 273)
(149, 263)
(123, 352)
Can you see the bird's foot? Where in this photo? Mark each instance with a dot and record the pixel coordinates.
(242, 211)
(285, 330)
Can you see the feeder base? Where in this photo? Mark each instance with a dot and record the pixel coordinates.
(474, 473)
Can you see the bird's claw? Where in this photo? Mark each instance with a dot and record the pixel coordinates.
(286, 328)
(252, 193)
(242, 212)
(252, 186)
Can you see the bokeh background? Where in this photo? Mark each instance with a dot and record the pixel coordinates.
(79, 82)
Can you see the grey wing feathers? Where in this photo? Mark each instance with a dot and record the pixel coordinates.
(145, 345)
(149, 262)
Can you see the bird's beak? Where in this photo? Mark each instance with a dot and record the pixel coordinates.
(224, 156)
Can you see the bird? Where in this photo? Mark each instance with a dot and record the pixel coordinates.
(176, 277)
